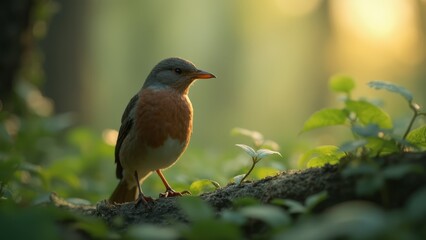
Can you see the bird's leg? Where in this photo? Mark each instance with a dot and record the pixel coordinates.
(169, 191)
(141, 197)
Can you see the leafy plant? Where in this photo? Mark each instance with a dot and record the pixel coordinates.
(256, 156)
(305, 208)
(202, 186)
(372, 178)
(371, 126)
(230, 223)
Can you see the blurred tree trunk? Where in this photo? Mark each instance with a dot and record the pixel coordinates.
(15, 39)
(64, 49)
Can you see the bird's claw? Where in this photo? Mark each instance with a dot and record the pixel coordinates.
(146, 201)
(173, 193)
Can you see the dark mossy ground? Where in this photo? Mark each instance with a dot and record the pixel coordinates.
(294, 184)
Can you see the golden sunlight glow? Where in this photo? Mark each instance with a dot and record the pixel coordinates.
(375, 19)
(110, 136)
(297, 8)
(388, 29)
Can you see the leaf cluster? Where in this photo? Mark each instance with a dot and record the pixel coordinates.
(372, 128)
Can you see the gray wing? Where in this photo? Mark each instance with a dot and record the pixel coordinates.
(126, 125)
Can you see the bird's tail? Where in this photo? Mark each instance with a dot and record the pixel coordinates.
(123, 193)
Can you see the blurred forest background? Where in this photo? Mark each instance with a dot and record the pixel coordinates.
(272, 60)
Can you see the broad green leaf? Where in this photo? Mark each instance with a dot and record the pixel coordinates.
(262, 172)
(209, 229)
(367, 186)
(401, 170)
(352, 145)
(203, 210)
(204, 185)
(8, 168)
(271, 215)
(418, 136)
(325, 117)
(367, 113)
(96, 228)
(362, 169)
(151, 231)
(321, 161)
(370, 130)
(313, 200)
(292, 205)
(249, 150)
(237, 179)
(381, 146)
(320, 156)
(341, 83)
(416, 207)
(391, 87)
(245, 202)
(261, 153)
(233, 217)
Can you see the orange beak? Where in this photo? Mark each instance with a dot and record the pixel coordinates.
(200, 74)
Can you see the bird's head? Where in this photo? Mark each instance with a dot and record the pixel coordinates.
(175, 73)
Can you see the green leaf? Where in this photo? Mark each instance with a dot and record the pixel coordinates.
(416, 207)
(204, 185)
(262, 153)
(210, 229)
(363, 169)
(401, 170)
(321, 161)
(151, 231)
(370, 130)
(292, 205)
(245, 202)
(237, 179)
(313, 200)
(381, 146)
(271, 215)
(233, 217)
(368, 113)
(352, 145)
(369, 185)
(391, 87)
(203, 210)
(250, 151)
(325, 117)
(262, 172)
(418, 136)
(320, 156)
(341, 83)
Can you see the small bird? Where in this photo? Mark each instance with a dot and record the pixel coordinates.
(155, 130)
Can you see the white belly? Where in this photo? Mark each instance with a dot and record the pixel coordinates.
(144, 160)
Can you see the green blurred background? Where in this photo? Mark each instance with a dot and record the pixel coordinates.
(272, 60)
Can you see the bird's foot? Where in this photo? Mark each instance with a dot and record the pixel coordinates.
(172, 193)
(146, 201)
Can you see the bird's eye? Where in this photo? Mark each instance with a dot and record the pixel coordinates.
(178, 70)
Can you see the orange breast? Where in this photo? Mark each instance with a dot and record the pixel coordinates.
(162, 114)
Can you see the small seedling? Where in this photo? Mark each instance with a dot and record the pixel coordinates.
(256, 156)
